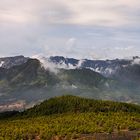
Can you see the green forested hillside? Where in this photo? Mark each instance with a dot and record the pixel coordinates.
(73, 104)
(70, 117)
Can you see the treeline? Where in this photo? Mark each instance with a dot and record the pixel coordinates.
(8, 114)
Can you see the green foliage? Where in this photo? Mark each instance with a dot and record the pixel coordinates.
(69, 117)
(8, 114)
(65, 104)
(70, 124)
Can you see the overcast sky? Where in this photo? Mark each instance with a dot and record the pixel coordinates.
(95, 29)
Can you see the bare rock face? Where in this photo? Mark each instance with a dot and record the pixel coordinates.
(8, 62)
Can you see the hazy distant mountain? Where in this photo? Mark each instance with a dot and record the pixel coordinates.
(127, 70)
(106, 67)
(30, 81)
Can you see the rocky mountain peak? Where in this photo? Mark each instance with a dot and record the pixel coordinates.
(8, 62)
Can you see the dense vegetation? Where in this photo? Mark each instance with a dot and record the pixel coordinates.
(70, 104)
(70, 117)
(68, 125)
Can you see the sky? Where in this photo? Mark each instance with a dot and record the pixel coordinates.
(94, 29)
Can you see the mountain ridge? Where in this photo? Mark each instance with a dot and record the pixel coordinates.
(32, 82)
(8, 62)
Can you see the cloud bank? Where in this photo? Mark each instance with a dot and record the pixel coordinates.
(93, 28)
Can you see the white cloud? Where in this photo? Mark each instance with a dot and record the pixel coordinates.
(90, 12)
(47, 64)
(136, 61)
(73, 28)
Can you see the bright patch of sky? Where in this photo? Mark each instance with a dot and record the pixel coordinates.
(95, 29)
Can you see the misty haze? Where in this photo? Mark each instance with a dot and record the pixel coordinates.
(69, 70)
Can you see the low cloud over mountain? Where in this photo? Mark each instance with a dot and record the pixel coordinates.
(33, 80)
